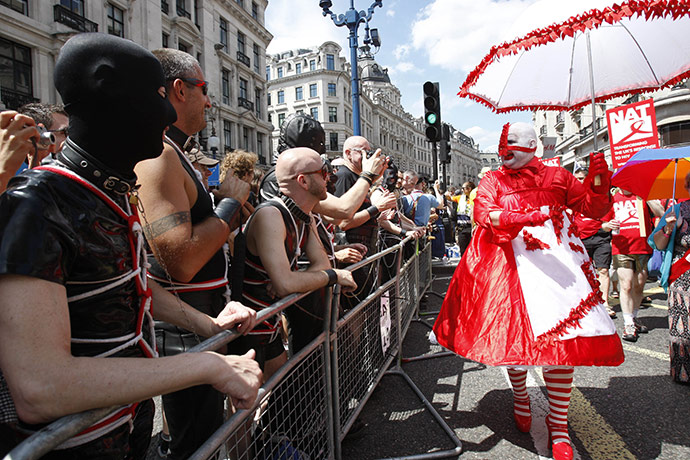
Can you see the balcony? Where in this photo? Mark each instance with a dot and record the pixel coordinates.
(14, 99)
(587, 130)
(542, 131)
(246, 103)
(244, 59)
(183, 13)
(165, 8)
(560, 120)
(71, 19)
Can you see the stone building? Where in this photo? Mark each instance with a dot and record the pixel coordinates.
(574, 134)
(228, 37)
(316, 81)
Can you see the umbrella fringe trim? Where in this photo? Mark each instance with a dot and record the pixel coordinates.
(649, 9)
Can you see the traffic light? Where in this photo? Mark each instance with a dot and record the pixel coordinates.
(444, 149)
(432, 111)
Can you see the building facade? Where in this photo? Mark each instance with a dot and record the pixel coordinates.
(228, 37)
(316, 81)
(575, 137)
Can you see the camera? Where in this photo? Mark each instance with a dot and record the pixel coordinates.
(45, 139)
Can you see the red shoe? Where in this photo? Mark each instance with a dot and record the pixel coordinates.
(522, 415)
(562, 450)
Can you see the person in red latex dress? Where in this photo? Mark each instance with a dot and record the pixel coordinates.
(536, 300)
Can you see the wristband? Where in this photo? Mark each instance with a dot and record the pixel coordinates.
(227, 209)
(667, 235)
(332, 277)
(403, 233)
(366, 178)
(373, 211)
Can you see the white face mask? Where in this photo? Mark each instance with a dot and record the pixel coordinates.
(515, 149)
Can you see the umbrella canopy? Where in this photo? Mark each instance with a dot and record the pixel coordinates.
(655, 173)
(634, 47)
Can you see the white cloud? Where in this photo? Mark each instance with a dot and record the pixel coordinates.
(401, 51)
(391, 8)
(403, 66)
(457, 34)
(300, 24)
(487, 139)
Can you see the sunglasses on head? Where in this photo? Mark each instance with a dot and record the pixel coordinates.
(195, 82)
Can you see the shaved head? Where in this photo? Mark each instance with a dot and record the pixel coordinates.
(354, 148)
(295, 161)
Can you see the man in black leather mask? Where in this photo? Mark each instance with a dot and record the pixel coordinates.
(75, 309)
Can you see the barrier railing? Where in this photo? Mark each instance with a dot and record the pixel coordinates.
(307, 407)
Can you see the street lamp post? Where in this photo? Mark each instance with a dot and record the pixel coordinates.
(352, 18)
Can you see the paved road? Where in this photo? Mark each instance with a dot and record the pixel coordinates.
(633, 411)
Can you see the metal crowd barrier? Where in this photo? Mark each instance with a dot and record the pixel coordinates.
(305, 410)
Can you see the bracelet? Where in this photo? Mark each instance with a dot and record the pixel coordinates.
(369, 174)
(373, 211)
(332, 277)
(366, 178)
(667, 235)
(227, 209)
(403, 233)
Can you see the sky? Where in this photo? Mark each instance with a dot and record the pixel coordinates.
(428, 40)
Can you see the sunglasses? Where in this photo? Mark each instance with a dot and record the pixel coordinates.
(323, 170)
(198, 83)
(64, 131)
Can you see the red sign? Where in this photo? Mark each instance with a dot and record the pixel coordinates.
(632, 127)
(556, 161)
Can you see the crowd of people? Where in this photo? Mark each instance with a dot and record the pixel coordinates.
(117, 256)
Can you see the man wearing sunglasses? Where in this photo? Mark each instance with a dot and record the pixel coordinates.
(54, 119)
(186, 235)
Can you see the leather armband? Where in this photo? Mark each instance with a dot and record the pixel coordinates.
(373, 211)
(332, 277)
(227, 209)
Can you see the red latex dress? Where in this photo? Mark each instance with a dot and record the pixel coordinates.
(485, 316)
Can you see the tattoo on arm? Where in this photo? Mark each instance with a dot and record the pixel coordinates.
(162, 225)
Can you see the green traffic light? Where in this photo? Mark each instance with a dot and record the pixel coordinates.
(431, 118)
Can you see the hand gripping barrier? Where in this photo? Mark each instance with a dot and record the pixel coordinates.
(306, 408)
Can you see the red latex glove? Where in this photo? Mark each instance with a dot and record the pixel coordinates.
(522, 219)
(598, 167)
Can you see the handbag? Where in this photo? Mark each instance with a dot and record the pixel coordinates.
(654, 263)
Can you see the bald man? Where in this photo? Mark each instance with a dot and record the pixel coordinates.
(276, 234)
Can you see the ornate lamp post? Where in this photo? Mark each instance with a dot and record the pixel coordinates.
(352, 18)
(213, 143)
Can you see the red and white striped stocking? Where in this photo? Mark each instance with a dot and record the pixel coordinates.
(559, 382)
(521, 409)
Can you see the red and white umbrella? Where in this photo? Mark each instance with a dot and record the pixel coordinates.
(627, 48)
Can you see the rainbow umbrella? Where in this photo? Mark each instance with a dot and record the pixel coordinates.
(652, 173)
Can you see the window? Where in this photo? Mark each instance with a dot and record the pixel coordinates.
(333, 141)
(298, 68)
(281, 119)
(116, 24)
(256, 58)
(225, 85)
(333, 114)
(257, 102)
(260, 147)
(268, 98)
(227, 135)
(280, 72)
(15, 62)
(240, 42)
(281, 97)
(182, 47)
(300, 112)
(315, 113)
(312, 90)
(255, 11)
(268, 73)
(20, 6)
(330, 62)
(245, 138)
(243, 88)
(240, 2)
(182, 9)
(331, 89)
(224, 34)
(312, 65)
(75, 6)
(164, 40)
(298, 93)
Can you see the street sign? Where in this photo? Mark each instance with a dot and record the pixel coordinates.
(632, 127)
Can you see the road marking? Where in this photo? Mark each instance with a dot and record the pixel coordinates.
(597, 436)
(660, 307)
(645, 352)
